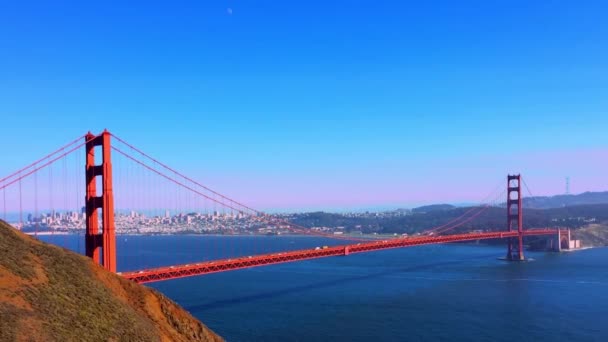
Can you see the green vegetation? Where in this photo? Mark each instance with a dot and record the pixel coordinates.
(432, 207)
(15, 258)
(558, 201)
(51, 294)
(492, 219)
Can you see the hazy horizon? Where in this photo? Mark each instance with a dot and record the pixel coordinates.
(12, 215)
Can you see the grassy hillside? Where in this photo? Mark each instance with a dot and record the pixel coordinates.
(592, 235)
(51, 294)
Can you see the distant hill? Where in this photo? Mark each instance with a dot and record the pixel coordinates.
(432, 207)
(558, 201)
(48, 293)
(493, 218)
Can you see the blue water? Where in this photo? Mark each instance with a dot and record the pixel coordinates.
(427, 293)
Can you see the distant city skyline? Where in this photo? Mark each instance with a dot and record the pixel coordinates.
(319, 105)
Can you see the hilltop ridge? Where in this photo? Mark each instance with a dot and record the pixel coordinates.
(48, 293)
(558, 201)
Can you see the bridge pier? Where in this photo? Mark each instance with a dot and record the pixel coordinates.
(553, 243)
(563, 241)
(515, 245)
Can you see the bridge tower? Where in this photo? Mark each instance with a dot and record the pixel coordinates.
(100, 246)
(515, 249)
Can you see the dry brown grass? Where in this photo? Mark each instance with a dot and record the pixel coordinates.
(50, 294)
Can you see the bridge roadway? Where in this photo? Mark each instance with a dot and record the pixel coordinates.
(223, 265)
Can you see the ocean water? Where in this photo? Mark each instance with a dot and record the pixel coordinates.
(429, 293)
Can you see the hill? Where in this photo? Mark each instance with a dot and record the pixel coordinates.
(48, 293)
(495, 218)
(491, 219)
(593, 235)
(432, 207)
(558, 201)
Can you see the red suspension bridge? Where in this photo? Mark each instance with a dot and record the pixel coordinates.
(147, 191)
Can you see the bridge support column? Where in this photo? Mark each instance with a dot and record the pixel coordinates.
(101, 247)
(515, 247)
(563, 240)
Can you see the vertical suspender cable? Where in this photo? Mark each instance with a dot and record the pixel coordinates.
(76, 192)
(79, 195)
(51, 207)
(20, 204)
(4, 202)
(35, 204)
(65, 199)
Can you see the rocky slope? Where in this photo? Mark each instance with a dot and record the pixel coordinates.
(593, 235)
(48, 293)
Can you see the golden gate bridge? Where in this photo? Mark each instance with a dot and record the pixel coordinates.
(141, 181)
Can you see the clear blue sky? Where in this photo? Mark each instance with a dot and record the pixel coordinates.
(327, 104)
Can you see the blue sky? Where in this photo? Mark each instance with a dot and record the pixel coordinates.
(318, 104)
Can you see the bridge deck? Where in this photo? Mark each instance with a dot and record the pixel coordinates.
(223, 265)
